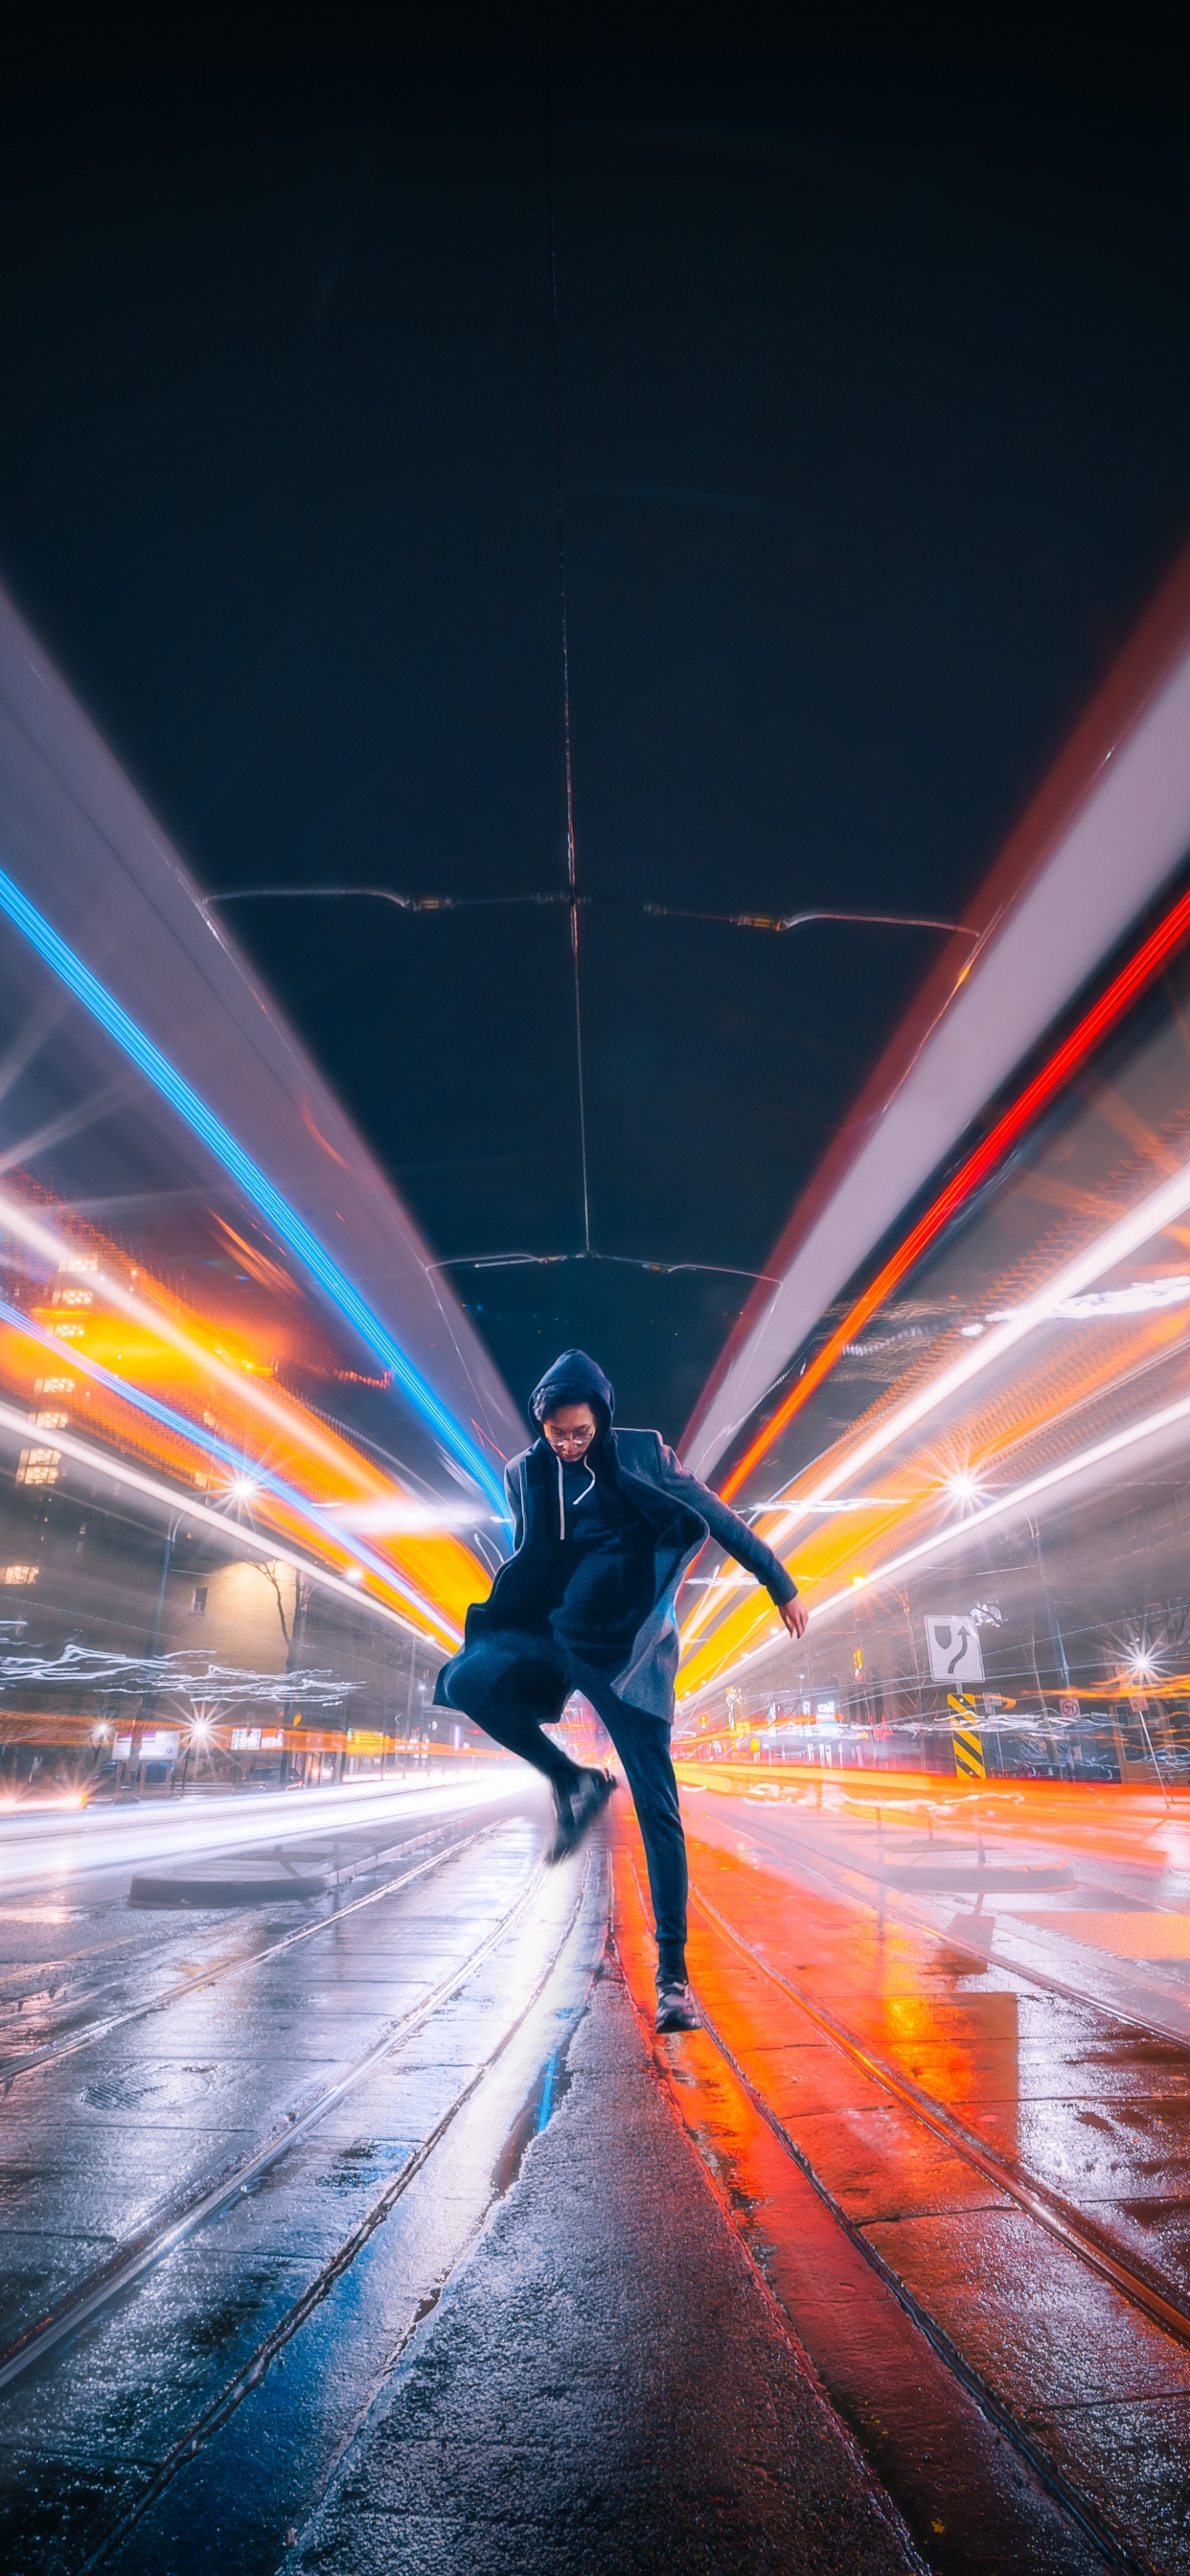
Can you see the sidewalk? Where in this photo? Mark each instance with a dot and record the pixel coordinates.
(606, 2384)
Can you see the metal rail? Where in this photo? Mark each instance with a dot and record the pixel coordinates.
(97, 2289)
(831, 1872)
(1078, 2507)
(220, 2408)
(1079, 2510)
(1046, 2207)
(54, 2050)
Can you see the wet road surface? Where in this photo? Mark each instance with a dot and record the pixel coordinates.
(377, 2229)
(995, 2108)
(608, 2384)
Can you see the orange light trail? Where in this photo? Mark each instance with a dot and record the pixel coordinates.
(1152, 1216)
(101, 1327)
(1150, 957)
(727, 1648)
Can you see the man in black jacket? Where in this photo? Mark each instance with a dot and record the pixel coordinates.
(605, 1524)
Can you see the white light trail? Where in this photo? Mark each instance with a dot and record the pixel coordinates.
(54, 1843)
(241, 1382)
(1162, 1208)
(54, 1250)
(958, 1534)
(846, 1503)
(394, 1517)
(1140, 1297)
(185, 1675)
(116, 1470)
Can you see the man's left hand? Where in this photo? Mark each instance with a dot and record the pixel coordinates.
(795, 1617)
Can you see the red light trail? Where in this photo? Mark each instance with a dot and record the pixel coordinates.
(1125, 988)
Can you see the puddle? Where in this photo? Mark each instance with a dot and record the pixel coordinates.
(550, 2086)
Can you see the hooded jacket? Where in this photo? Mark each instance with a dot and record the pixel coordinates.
(681, 1515)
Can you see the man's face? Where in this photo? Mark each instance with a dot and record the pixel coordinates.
(570, 1432)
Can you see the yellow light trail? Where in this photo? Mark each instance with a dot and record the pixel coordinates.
(1097, 1454)
(101, 1319)
(1149, 1218)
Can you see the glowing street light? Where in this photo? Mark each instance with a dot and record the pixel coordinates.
(964, 1489)
(243, 1490)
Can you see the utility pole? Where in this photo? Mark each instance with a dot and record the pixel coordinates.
(149, 1696)
(294, 1645)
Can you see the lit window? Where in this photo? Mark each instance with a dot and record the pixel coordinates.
(69, 1332)
(50, 1421)
(72, 1297)
(53, 1386)
(198, 1602)
(67, 1268)
(18, 1573)
(38, 1466)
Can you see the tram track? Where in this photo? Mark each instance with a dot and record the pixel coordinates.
(53, 2052)
(1040, 2203)
(1078, 2509)
(219, 2408)
(836, 1876)
(94, 2291)
(1076, 2506)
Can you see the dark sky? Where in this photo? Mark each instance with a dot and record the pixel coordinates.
(875, 384)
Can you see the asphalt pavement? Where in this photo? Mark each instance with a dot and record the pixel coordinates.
(374, 2228)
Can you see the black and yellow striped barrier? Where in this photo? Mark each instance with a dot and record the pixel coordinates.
(965, 1737)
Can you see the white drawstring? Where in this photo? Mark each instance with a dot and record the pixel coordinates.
(588, 1488)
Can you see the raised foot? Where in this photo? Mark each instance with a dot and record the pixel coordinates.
(577, 1810)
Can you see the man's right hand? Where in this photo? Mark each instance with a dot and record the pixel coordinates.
(795, 1617)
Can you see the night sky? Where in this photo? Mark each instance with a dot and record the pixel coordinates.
(874, 390)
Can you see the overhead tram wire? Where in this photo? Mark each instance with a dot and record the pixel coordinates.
(590, 903)
(577, 902)
(570, 896)
(571, 855)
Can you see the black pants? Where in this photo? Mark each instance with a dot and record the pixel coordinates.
(513, 1685)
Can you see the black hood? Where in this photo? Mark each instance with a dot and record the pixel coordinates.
(573, 1379)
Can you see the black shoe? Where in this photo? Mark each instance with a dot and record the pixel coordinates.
(676, 2008)
(577, 1809)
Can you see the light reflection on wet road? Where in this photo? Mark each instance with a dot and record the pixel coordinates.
(393, 2031)
(947, 2132)
(997, 2105)
(46, 1847)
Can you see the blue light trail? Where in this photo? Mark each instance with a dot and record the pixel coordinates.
(212, 1446)
(292, 1229)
